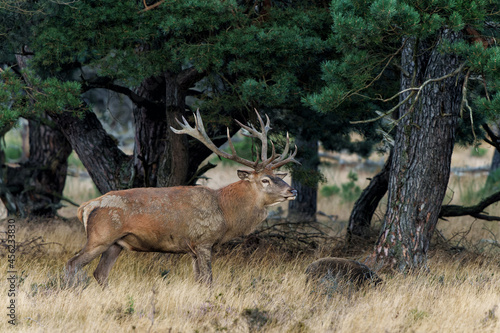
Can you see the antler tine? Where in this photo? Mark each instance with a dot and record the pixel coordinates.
(277, 158)
(233, 151)
(251, 132)
(268, 122)
(273, 157)
(283, 159)
(265, 129)
(289, 159)
(273, 162)
(287, 146)
(184, 125)
(198, 132)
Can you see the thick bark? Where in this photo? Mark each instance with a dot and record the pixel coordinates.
(304, 207)
(365, 206)
(108, 166)
(150, 132)
(160, 158)
(494, 140)
(174, 166)
(422, 154)
(35, 187)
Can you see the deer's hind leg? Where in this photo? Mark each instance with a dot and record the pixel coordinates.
(98, 242)
(86, 255)
(106, 262)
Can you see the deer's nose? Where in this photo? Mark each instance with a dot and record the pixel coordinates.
(294, 192)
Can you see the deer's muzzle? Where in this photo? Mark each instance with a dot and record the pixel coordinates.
(293, 195)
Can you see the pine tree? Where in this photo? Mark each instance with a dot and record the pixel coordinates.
(436, 46)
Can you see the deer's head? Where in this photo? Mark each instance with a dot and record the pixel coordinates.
(263, 178)
(270, 185)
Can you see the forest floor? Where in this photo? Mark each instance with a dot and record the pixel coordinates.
(255, 289)
(260, 286)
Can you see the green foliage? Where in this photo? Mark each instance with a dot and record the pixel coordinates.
(130, 306)
(348, 191)
(269, 64)
(478, 151)
(12, 152)
(11, 90)
(368, 36)
(245, 148)
(17, 99)
(329, 190)
(121, 42)
(351, 191)
(486, 62)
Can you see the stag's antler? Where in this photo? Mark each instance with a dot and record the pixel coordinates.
(273, 162)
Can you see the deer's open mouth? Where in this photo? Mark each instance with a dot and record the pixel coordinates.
(292, 196)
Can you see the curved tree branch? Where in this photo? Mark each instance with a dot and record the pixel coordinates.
(188, 77)
(474, 211)
(107, 83)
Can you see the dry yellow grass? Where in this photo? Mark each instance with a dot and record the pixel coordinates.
(264, 291)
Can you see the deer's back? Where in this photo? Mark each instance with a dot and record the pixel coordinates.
(160, 219)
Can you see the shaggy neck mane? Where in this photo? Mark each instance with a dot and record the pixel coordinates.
(239, 206)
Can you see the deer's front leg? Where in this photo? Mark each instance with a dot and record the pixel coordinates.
(202, 264)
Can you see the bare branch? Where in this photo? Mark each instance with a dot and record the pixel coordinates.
(494, 139)
(413, 90)
(153, 6)
(474, 211)
(390, 57)
(465, 104)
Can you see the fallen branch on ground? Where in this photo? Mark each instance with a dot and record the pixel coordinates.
(34, 245)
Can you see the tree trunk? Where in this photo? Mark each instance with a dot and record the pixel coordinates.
(151, 133)
(422, 154)
(304, 207)
(493, 177)
(367, 203)
(161, 158)
(183, 155)
(174, 166)
(108, 166)
(35, 187)
(495, 162)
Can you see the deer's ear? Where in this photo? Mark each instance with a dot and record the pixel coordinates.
(281, 175)
(244, 175)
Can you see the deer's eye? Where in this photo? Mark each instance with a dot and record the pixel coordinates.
(265, 181)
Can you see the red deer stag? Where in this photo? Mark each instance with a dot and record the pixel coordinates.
(184, 219)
